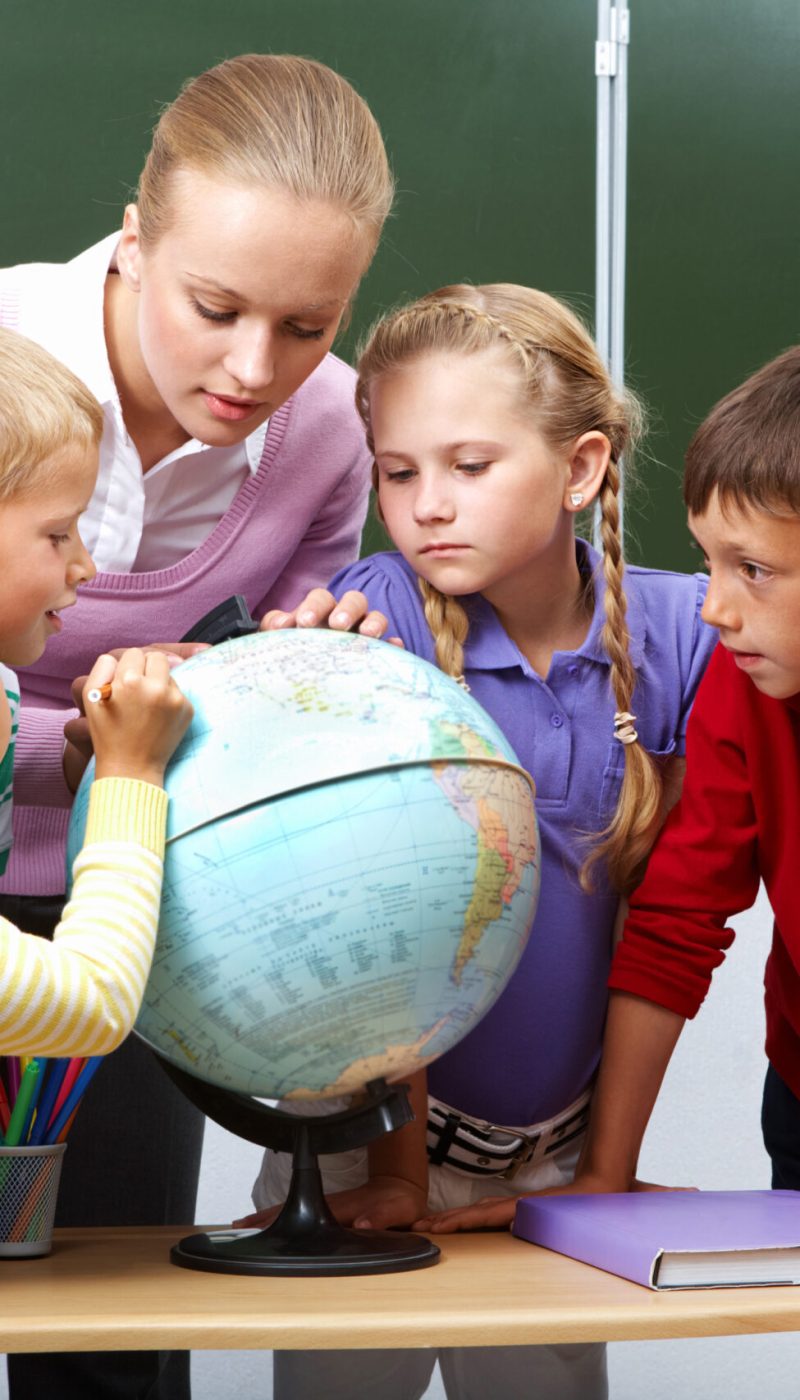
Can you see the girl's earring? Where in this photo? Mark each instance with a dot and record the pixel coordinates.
(576, 497)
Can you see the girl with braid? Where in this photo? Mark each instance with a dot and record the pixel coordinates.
(493, 424)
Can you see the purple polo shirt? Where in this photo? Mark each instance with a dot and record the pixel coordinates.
(538, 1047)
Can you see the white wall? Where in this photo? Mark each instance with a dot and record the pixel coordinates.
(705, 1132)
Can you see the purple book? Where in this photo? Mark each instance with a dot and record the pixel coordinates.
(673, 1239)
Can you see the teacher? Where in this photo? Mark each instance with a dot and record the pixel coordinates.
(232, 461)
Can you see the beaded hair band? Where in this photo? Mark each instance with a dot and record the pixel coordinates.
(484, 318)
(623, 727)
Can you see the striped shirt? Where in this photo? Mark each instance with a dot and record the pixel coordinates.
(80, 994)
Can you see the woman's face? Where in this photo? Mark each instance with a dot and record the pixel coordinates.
(236, 304)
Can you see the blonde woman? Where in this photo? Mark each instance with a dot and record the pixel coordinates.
(493, 425)
(232, 461)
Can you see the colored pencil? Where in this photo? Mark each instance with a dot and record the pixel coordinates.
(31, 1109)
(5, 1111)
(56, 1069)
(12, 1065)
(100, 694)
(42, 1107)
(22, 1104)
(72, 1071)
(65, 1131)
(73, 1099)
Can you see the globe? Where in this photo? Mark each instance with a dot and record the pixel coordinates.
(351, 869)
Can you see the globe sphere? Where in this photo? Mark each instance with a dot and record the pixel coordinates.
(351, 869)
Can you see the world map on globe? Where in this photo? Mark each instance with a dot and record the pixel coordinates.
(351, 869)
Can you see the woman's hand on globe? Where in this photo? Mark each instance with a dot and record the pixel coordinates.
(384, 1203)
(319, 608)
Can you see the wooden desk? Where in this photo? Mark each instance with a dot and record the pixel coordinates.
(106, 1290)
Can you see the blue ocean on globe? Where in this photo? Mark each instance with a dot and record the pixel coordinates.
(351, 872)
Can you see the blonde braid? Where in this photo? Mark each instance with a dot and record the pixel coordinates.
(449, 624)
(626, 842)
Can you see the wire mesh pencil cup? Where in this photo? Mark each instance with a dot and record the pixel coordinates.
(29, 1178)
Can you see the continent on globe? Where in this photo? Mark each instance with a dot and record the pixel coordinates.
(506, 847)
(392, 1063)
(351, 871)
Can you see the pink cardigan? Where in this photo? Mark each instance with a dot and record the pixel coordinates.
(291, 526)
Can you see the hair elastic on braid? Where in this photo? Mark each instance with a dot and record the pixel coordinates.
(623, 727)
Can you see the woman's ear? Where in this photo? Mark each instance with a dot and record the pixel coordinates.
(587, 465)
(129, 250)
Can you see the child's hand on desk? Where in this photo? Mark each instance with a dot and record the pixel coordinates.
(383, 1203)
(490, 1213)
(319, 608)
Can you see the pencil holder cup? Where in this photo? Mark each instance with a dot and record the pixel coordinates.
(29, 1178)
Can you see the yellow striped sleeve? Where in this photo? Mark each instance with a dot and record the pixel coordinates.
(80, 994)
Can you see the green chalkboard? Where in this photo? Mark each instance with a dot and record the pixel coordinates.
(488, 111)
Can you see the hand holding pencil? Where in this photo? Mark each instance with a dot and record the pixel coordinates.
(140, 715)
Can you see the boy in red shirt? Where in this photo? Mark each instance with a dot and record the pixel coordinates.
(738, 821)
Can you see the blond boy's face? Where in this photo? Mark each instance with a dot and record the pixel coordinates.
(754, 591)
(42, 557)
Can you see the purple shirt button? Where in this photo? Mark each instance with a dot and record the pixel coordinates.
(556, 720)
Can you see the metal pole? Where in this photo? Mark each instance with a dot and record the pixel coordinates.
(611, 70)
(619, 154)
(603, 181)
(619, 158)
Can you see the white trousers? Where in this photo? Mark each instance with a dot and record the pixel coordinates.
(574, 1372)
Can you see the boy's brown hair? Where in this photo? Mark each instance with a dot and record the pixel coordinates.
(748, 448)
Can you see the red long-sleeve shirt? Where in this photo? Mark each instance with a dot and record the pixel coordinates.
(738, 822)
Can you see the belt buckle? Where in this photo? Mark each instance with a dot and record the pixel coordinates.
(522, 1156)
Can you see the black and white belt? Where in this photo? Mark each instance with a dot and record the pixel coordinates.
(492, 1149)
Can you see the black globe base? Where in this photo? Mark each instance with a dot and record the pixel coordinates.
(332, 1251)
(305, 1238)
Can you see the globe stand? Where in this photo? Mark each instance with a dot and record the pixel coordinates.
(305, 1238)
